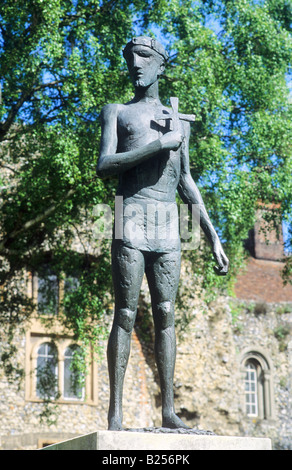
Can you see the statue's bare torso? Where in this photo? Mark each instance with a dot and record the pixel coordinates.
(151, 184)
(158, 177)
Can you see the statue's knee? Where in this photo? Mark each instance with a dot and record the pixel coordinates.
(165, 314)
(125, 319)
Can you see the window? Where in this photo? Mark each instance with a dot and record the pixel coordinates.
(71, 283)
(49, 291)
(258, 384)
(251, 390)
(46, 291)
(73, 388)
(50, 382)
(47, 371)
(49, 363)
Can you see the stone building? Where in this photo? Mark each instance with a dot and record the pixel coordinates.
(233, 371)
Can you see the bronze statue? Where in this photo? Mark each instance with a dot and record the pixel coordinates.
(146, 145)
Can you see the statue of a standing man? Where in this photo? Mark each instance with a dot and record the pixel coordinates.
(151, 158)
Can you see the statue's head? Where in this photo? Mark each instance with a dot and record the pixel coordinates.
(146, 59)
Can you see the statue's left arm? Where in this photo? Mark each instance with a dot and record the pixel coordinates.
(190, 195)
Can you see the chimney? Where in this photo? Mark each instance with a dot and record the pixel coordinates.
(266, 242)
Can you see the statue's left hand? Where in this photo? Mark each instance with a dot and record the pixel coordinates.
(222, 261)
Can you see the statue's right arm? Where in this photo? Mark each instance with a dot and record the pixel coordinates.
(112, 163)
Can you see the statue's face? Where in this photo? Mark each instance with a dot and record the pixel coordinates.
(144, 65)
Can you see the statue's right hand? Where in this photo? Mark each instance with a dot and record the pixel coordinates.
(171, 140)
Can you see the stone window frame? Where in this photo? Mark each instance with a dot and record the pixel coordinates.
(265, 386)
(36, 336)
(32, 290)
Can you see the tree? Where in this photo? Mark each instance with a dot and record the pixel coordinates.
(233, 76)
(61, 62)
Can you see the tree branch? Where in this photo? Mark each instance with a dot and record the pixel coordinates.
(33, 222)
(45, 85)
(4, 128)
(7, 167)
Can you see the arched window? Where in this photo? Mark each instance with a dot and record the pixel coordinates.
(73, 380)
(50, 372)
(258, 385)
(251, 389)
(47, 371)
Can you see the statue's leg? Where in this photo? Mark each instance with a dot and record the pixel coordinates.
(163, 276)
(128, 271)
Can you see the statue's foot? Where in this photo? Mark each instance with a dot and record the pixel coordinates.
(173, 422)
(114, 424)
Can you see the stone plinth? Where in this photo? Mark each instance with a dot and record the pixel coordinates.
(132, 441)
